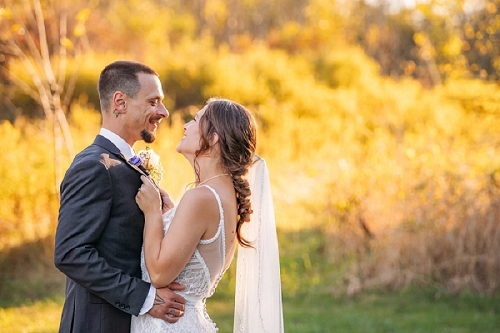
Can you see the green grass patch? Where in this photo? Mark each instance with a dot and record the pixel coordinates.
(417, 312)
(405, 312)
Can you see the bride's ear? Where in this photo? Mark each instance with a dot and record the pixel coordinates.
(214, 139)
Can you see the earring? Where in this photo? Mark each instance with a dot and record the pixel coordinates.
(116, 113)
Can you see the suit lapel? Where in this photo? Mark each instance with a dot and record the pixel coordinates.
(109, 146)
(139, 168)
(143, 169)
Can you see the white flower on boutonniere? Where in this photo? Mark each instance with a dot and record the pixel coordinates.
(151, 162)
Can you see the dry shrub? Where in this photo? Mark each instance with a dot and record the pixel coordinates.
(450, 243)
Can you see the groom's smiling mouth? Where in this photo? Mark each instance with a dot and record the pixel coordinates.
(155, 121)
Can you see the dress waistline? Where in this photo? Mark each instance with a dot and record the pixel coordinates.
(194, 302)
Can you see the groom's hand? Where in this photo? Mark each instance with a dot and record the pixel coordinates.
(168, 305)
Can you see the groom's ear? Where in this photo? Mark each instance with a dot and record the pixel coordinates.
(119, 103)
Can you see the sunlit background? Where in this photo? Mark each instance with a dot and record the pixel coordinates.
(379, 121)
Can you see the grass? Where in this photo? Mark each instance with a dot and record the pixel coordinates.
(408, 312)
(38, 317)
(418, 312)
(32, 297)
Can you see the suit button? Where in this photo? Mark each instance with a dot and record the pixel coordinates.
(122, 306)
(127, 307)
(117, 304)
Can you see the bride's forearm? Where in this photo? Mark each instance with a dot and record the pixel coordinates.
(153, 236)
(167, 254)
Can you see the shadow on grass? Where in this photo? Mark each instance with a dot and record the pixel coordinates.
(27, 274)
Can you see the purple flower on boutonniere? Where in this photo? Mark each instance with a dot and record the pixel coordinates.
(151, 162)
(136, 160)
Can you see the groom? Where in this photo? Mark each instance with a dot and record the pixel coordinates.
(99, 234)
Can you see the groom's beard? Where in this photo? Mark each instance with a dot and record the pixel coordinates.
(148, 137)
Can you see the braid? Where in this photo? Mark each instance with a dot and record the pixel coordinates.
(242, 188)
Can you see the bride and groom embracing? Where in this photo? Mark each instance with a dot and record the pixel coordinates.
(134, 261)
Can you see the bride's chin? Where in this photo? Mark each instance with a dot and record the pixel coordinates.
(180, 151)
(180, 147)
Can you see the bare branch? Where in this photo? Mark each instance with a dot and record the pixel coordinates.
(27, 35)
(23, 86)
(5, 49)
(37, 81)
(63, 123)
(28, 11)
(44, 48)
(70, 88)
(33, 48)
(11, 106)
(62, 45)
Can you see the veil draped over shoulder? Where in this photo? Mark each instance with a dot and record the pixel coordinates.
(258, 304)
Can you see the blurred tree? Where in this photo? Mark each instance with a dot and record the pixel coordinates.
(236, 22)
(436, 40)
(464, 35)
(37, 39)
(394, 39)
(386, 38)
(481, 40)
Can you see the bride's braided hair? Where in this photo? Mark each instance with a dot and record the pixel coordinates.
(236, 129)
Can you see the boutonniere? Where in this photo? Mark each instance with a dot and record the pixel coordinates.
(151, 162)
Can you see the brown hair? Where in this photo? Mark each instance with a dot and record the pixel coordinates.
(121, 76)
(236, 129)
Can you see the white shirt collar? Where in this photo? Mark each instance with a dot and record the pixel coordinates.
(123, 146)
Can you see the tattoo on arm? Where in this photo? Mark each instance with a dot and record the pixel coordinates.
(158, 300)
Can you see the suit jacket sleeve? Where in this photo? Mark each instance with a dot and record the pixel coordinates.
(86, 201)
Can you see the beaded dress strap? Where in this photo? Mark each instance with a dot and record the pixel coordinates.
(221, 221)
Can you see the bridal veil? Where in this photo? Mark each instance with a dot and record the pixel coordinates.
(258, 304)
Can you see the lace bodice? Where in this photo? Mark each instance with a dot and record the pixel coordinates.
(200, 276)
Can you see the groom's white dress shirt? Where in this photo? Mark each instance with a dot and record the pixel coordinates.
(129, 152)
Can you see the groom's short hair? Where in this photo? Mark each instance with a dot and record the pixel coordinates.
(120, 76)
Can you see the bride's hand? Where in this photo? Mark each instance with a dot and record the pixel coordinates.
(148, 197)
(168, 204)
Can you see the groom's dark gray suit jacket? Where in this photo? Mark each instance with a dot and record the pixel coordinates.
(98, 241)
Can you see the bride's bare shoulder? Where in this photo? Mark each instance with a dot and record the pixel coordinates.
(199, 200)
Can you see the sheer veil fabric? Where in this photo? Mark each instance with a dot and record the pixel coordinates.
(258, 304)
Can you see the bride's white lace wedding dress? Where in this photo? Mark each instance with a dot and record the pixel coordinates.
(200, 276)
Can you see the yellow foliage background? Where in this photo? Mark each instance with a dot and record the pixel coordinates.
(402, 181)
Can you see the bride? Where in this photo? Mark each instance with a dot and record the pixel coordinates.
(193, 243)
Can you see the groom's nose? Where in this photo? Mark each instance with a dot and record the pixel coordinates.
(162, 111)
